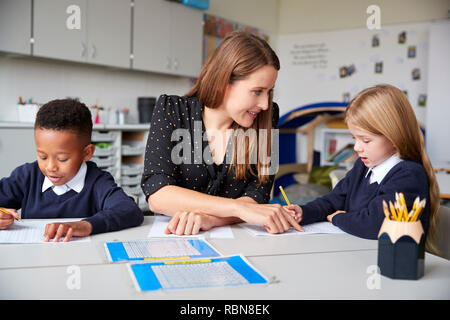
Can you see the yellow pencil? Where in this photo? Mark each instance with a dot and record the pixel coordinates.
(2, 210)
(404, 207)
(284, 195)
(419, 209)
(392, 208)
(385, 209)
(416, 202)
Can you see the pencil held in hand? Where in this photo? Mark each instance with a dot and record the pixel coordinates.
(10, 213)
(285, 197)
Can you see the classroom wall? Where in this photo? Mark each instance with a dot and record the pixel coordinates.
(262, 14)
(298, 16)
(45, 79)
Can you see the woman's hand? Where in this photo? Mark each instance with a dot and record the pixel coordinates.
(189, 223)
(330, 217)
(274, 217)
(66, 230)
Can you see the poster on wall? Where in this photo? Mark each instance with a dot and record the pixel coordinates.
(336, 65)
(216, 28)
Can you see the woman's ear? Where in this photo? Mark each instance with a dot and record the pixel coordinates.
(88, 152)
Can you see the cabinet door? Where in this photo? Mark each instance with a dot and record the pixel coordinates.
(151, 40)
(54, 36)
(109, 32)
(187, 34)
(16, 147)
(15, 26)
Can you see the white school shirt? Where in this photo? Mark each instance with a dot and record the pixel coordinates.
(381, 170)
(76, 183)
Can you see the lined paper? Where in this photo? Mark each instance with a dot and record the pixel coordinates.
(313, 228)
(32, 232)
(160, 223)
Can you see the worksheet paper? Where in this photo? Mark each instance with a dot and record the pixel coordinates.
(313, 228)
(188, 274)
(32, 232)
(160, 223)
(159, 249)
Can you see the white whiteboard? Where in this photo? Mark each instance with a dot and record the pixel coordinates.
(438, 109)
(310, 64)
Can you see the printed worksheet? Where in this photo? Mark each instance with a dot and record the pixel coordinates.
(31, 231)
(160, 223)
(313, 228)
(200, 273)
(159, 249)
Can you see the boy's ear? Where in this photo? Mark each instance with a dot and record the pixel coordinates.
(88, 152)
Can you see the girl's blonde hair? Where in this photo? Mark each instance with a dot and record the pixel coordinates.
(238, 55)
(385, 110)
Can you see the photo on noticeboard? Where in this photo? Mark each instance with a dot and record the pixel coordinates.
(379, 67)
(415, 74)
(422, 100)
(411, 51)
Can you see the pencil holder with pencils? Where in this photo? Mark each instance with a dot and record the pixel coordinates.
(401, 241)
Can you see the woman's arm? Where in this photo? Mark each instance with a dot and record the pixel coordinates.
(170, 200)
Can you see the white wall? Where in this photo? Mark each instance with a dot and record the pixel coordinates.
(297, 16)
(45, 79)
(262, 14)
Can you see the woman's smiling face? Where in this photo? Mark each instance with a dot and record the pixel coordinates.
(245, 99)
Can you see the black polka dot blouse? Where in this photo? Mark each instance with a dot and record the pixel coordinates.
(198, 174)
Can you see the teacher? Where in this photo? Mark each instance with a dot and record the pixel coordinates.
(207, 159)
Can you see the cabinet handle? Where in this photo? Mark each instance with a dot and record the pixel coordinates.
(175, 64)
(94, 51)
(83, 50)
(169, 63)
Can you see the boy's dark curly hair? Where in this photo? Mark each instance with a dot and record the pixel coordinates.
(65, 114)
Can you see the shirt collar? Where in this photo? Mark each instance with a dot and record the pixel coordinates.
(381, 170)
(76, 183)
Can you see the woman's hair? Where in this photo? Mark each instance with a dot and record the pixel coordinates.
(238, 55)
(385, 110)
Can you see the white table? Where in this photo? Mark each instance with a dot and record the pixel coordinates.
(82, 253)
(328, 266)
(333, 275)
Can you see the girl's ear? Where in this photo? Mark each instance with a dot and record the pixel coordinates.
(88, 152)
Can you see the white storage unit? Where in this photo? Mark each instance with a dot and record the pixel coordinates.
(148, 35)
(57, 35)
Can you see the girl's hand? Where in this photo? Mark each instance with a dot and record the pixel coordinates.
(296, 212)
(189, 223)
(6, 220)
(67, 230)
(274, 217)
(330, 217)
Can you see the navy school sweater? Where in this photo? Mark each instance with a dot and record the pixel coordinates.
(363, 201)
(105, 205)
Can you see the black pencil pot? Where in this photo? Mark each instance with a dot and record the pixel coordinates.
(145, 108)
(401, 249)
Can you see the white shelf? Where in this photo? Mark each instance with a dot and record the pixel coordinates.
(342, 136)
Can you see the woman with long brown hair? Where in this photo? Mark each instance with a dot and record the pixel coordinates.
(209, 160)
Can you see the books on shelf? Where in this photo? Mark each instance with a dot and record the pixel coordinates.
(344, 154)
